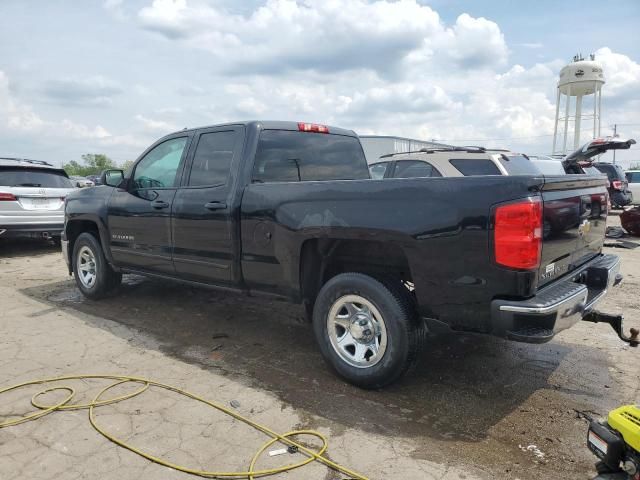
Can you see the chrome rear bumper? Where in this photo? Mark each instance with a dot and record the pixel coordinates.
(557, 306)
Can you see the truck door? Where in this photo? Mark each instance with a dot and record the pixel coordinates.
(139, 216)
(206, 247)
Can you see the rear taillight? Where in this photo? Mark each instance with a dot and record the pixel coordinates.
(518, 234)
(617, 185)
(312, 127)
(7, 197)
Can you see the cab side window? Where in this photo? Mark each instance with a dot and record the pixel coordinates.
(212, 160)
(159, 167)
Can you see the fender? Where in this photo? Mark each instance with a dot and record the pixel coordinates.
(91, 208)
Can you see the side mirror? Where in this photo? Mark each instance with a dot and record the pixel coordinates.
(113, 178)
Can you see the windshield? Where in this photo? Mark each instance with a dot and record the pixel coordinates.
(33, 177)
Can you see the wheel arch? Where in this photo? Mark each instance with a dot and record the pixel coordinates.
(323, 258)
(78, 225)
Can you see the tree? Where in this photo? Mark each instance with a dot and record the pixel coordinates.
(98, 161)
(127, 165)
(94, 164)
(635, 166)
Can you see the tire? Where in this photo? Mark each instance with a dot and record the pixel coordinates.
(94, 276)
(377, 312)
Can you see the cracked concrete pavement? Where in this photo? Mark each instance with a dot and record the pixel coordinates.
(468, 412)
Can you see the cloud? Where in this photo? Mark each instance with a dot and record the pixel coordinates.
(17, 119)
(475, 42)
(622, 74)
(533, 45)
(152, 125)
(95, 90)
(330, 36)
(191, 90)
(405, 98)
(375, 66)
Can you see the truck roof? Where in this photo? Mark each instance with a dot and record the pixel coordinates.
(272, 125)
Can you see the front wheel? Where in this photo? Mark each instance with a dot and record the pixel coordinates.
(94, 276)
(367, 329)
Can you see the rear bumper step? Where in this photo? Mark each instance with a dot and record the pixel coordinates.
(557, 306)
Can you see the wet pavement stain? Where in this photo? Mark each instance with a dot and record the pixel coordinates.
(473, 397)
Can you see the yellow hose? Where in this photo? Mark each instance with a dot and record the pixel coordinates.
(146, 383)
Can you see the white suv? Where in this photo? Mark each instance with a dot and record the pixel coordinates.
(633, 177)
(32, 196)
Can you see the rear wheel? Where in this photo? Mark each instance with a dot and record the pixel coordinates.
(367, 329)
(94, 276)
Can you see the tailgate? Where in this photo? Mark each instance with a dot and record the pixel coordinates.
(575, 215)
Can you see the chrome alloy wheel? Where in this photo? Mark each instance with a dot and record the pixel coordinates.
(86, 263)
(357, 331)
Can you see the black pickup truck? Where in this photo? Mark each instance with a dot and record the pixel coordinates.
(288, 210)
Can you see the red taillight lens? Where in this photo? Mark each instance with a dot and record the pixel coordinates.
(518, 234)
(7, 197)
(617, 184)
(312, 127)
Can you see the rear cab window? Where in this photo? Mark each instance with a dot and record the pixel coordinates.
(33, 177)
(293, 156)
(475, 166)
(633, 177)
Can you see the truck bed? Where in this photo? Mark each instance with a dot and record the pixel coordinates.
(442, 225)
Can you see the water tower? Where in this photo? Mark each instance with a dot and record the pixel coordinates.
(581, 78)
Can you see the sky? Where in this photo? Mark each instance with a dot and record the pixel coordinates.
(112, 76)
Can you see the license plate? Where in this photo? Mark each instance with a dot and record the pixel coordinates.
(40, 203)
(598, 443)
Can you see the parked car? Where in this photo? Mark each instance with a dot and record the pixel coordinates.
(469, 161)
(619, 191)
(81, 182)
(451, 162)
(288, 210)
(633, 179)
(32, 194)
(95, 179)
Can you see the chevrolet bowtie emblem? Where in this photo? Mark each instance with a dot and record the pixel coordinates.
(584, 227)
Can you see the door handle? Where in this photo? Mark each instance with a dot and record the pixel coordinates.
(215, 205)
(159, 204)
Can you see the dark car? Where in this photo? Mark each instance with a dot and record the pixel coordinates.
(619, 190)
(95, 179)
(288, 210)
